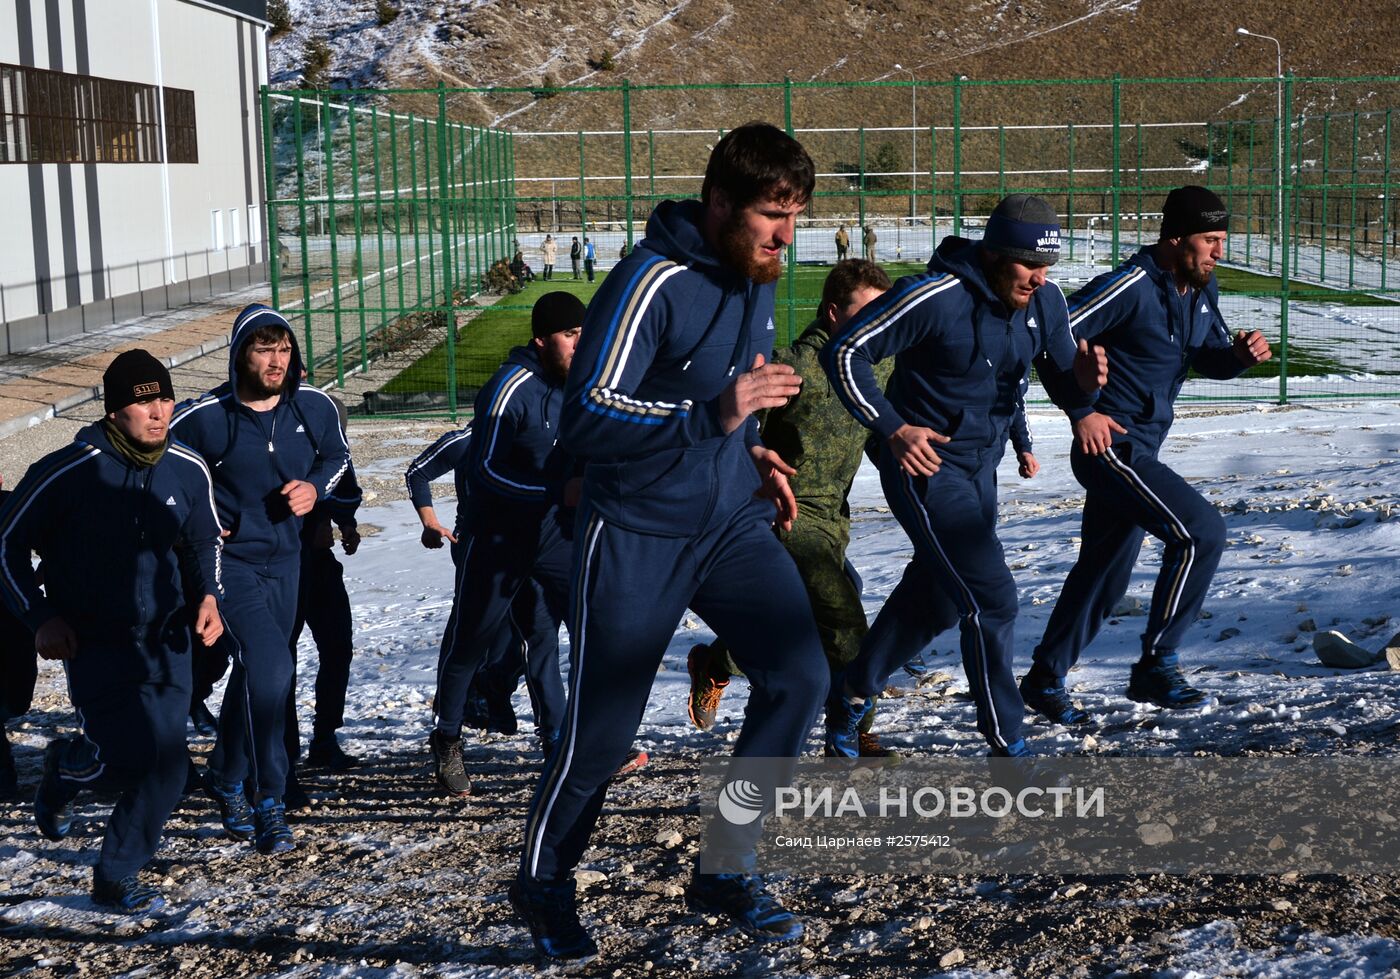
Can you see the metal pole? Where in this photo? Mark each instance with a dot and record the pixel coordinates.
(326, 149)
(1117, 161)
(957, 155)
(1283, 276)
(792, 247)
(269, 162)
(913, 142)
(627, 155)
(443, 205)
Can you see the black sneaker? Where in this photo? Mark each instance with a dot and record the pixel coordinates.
(9, 777)
(128, 894)
(745, 899)
(273, 834)
(1160, 681)
(52, 800)
(551, 913)
(234, 811)
(329, 754)
(1049, 698)
(202, 719)
(447, 764)
(294, 797)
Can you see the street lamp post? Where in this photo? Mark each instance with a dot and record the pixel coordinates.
(913, 142)
(1279, 137)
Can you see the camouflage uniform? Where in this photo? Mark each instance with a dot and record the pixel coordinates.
(818, 437)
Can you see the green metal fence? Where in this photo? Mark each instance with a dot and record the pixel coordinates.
(391, 220)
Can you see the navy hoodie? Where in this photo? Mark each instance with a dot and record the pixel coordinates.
(667, 332)
(1152, 335)
(514, 468)
(960, 357)
(253, 454)
(107, 532)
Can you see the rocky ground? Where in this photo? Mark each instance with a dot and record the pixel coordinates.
(391, 879)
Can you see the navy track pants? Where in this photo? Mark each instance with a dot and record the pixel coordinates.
(324, 607)
(1131, 493)
(492, 567)
(259, 607)
(630, 591)
(131, 698)
(950, 518)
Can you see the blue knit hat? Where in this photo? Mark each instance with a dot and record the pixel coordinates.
(1025, 228)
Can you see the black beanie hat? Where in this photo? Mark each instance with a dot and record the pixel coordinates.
(1026, 228)
(133, 376)
(555, 312)
(1192, 210)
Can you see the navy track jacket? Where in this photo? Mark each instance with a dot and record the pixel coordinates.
(1152, 335)
(668, 331)
(960, 359)
(107, 532)
(447, 454)
(252, 455)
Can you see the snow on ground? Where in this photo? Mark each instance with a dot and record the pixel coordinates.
(1308, 494)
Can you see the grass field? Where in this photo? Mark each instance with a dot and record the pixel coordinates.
(484, 342)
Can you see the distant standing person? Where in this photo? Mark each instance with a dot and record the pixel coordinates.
(843, 244)
(868, 238)
(550, 248)
(110, 516)
(1158, 316)
(575, 255)
(590, 255)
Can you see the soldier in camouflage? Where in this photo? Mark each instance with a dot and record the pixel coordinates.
(821, 440)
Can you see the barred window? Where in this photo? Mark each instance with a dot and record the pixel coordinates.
(59, 117)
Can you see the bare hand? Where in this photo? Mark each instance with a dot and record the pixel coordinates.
(433, 530)
(573, 492)
(1028, 465)
(761, 386)
(1090, 367)
(55, 640)
(301, 496)
(774, 473)
(914, 448)
(349, 540)
(1251, 348)
(1094, 432)
(208, 625)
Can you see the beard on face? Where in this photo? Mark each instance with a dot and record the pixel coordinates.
(737, 250)
(1198, 277)
(1001, 277)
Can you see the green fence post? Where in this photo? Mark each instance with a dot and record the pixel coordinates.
(627, 154)
(1351, 246)
(1229, 179)
(398, 208)
(359, 241)
(957, 155)
(270, 248)
(1069, 196)
(1326, 178)
(1385, 199)
(413, 213)
(792, 246)
(1296, 173)
(328, 167)
(443, 204)
(1001, 161)
(1283, 247)
(1249, 199)
(860, 186)
(1137, 138)
(301, 208)
(378, 213)
(1117, 161)
(483, 263)
(932, 187)
(651, 166)
(428, 217)
(513, 207)
(582, 188)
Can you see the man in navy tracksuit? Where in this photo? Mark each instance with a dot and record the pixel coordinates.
(323, 605)
(1158, 314)
(516, 528)
(275, 448)
(510, 655)
(670, 368)
(966, 333)
(18, 673)
(106, 516)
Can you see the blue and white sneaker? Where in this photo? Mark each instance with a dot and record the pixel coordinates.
(918, 667)
(551, 913)
(273, 834)
(843, 720)
(1047, 696)
(234, 811)
(745, 899)
(128, 895)
(1160, 681)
